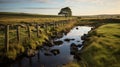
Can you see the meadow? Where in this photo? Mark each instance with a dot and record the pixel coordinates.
(101, 48)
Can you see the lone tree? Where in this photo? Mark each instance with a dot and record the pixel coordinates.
(65, 12)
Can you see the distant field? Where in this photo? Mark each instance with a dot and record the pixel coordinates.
(8, 18)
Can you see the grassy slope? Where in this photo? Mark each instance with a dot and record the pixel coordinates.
(103, 47)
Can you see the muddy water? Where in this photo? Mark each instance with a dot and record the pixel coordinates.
(56, 55)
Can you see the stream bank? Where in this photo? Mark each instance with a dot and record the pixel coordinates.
(29, 45)
(58, 54)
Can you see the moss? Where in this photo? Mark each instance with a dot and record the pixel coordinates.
(11, 54)
(14, 51)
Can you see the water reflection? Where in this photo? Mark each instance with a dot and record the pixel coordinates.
(64, 50)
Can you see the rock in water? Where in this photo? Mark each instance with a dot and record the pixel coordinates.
(58, 42)
(30, 52)
(55, 51)
(73, 46)
(79, 45)
(73, 49)
(67, 40)
(77, 28)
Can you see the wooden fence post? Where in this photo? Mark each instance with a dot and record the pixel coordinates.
(38, 31)
(29, 31)
(6, 38)
(46, 26)
(54, 25)
(18, 33)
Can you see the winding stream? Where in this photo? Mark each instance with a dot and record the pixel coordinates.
(56, 55)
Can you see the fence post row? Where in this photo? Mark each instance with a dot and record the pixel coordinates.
(54, 24)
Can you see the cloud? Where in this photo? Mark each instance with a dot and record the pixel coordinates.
(46, 1)
(13, 1)
(81, 0)
(5, 8)
(29, 1)
(100, 3)
(40, 1)
(8, 1)
(40, 8)
(94, 1)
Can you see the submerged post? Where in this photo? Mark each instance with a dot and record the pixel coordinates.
(6, 38)
(38, 56)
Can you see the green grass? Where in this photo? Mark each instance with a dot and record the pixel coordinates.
(103, 46)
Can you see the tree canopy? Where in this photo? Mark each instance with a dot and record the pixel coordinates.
(65, 12)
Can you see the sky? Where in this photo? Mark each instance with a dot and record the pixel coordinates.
(52, 7)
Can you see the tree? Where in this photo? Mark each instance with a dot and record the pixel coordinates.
(65, 12)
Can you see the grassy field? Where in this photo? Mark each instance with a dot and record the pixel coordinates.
(101, 49)
(12, 18)
(103, 46)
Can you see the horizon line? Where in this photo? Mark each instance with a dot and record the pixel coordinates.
(58, 15)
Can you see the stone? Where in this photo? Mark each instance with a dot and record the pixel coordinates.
(78, 41)
(47, 54)
(73, 47)
(30, 52)
(77, 28)
(67, 40)
(72, 39)
(79, 45)
(58, 42)
(55, 51)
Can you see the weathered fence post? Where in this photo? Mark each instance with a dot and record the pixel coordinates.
(18, 33)
(38, 30)
(6, 38)
(54, 25)
(46, 26)
(29, 31)
(62, 23)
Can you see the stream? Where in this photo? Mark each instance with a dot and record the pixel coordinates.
(56, 55)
